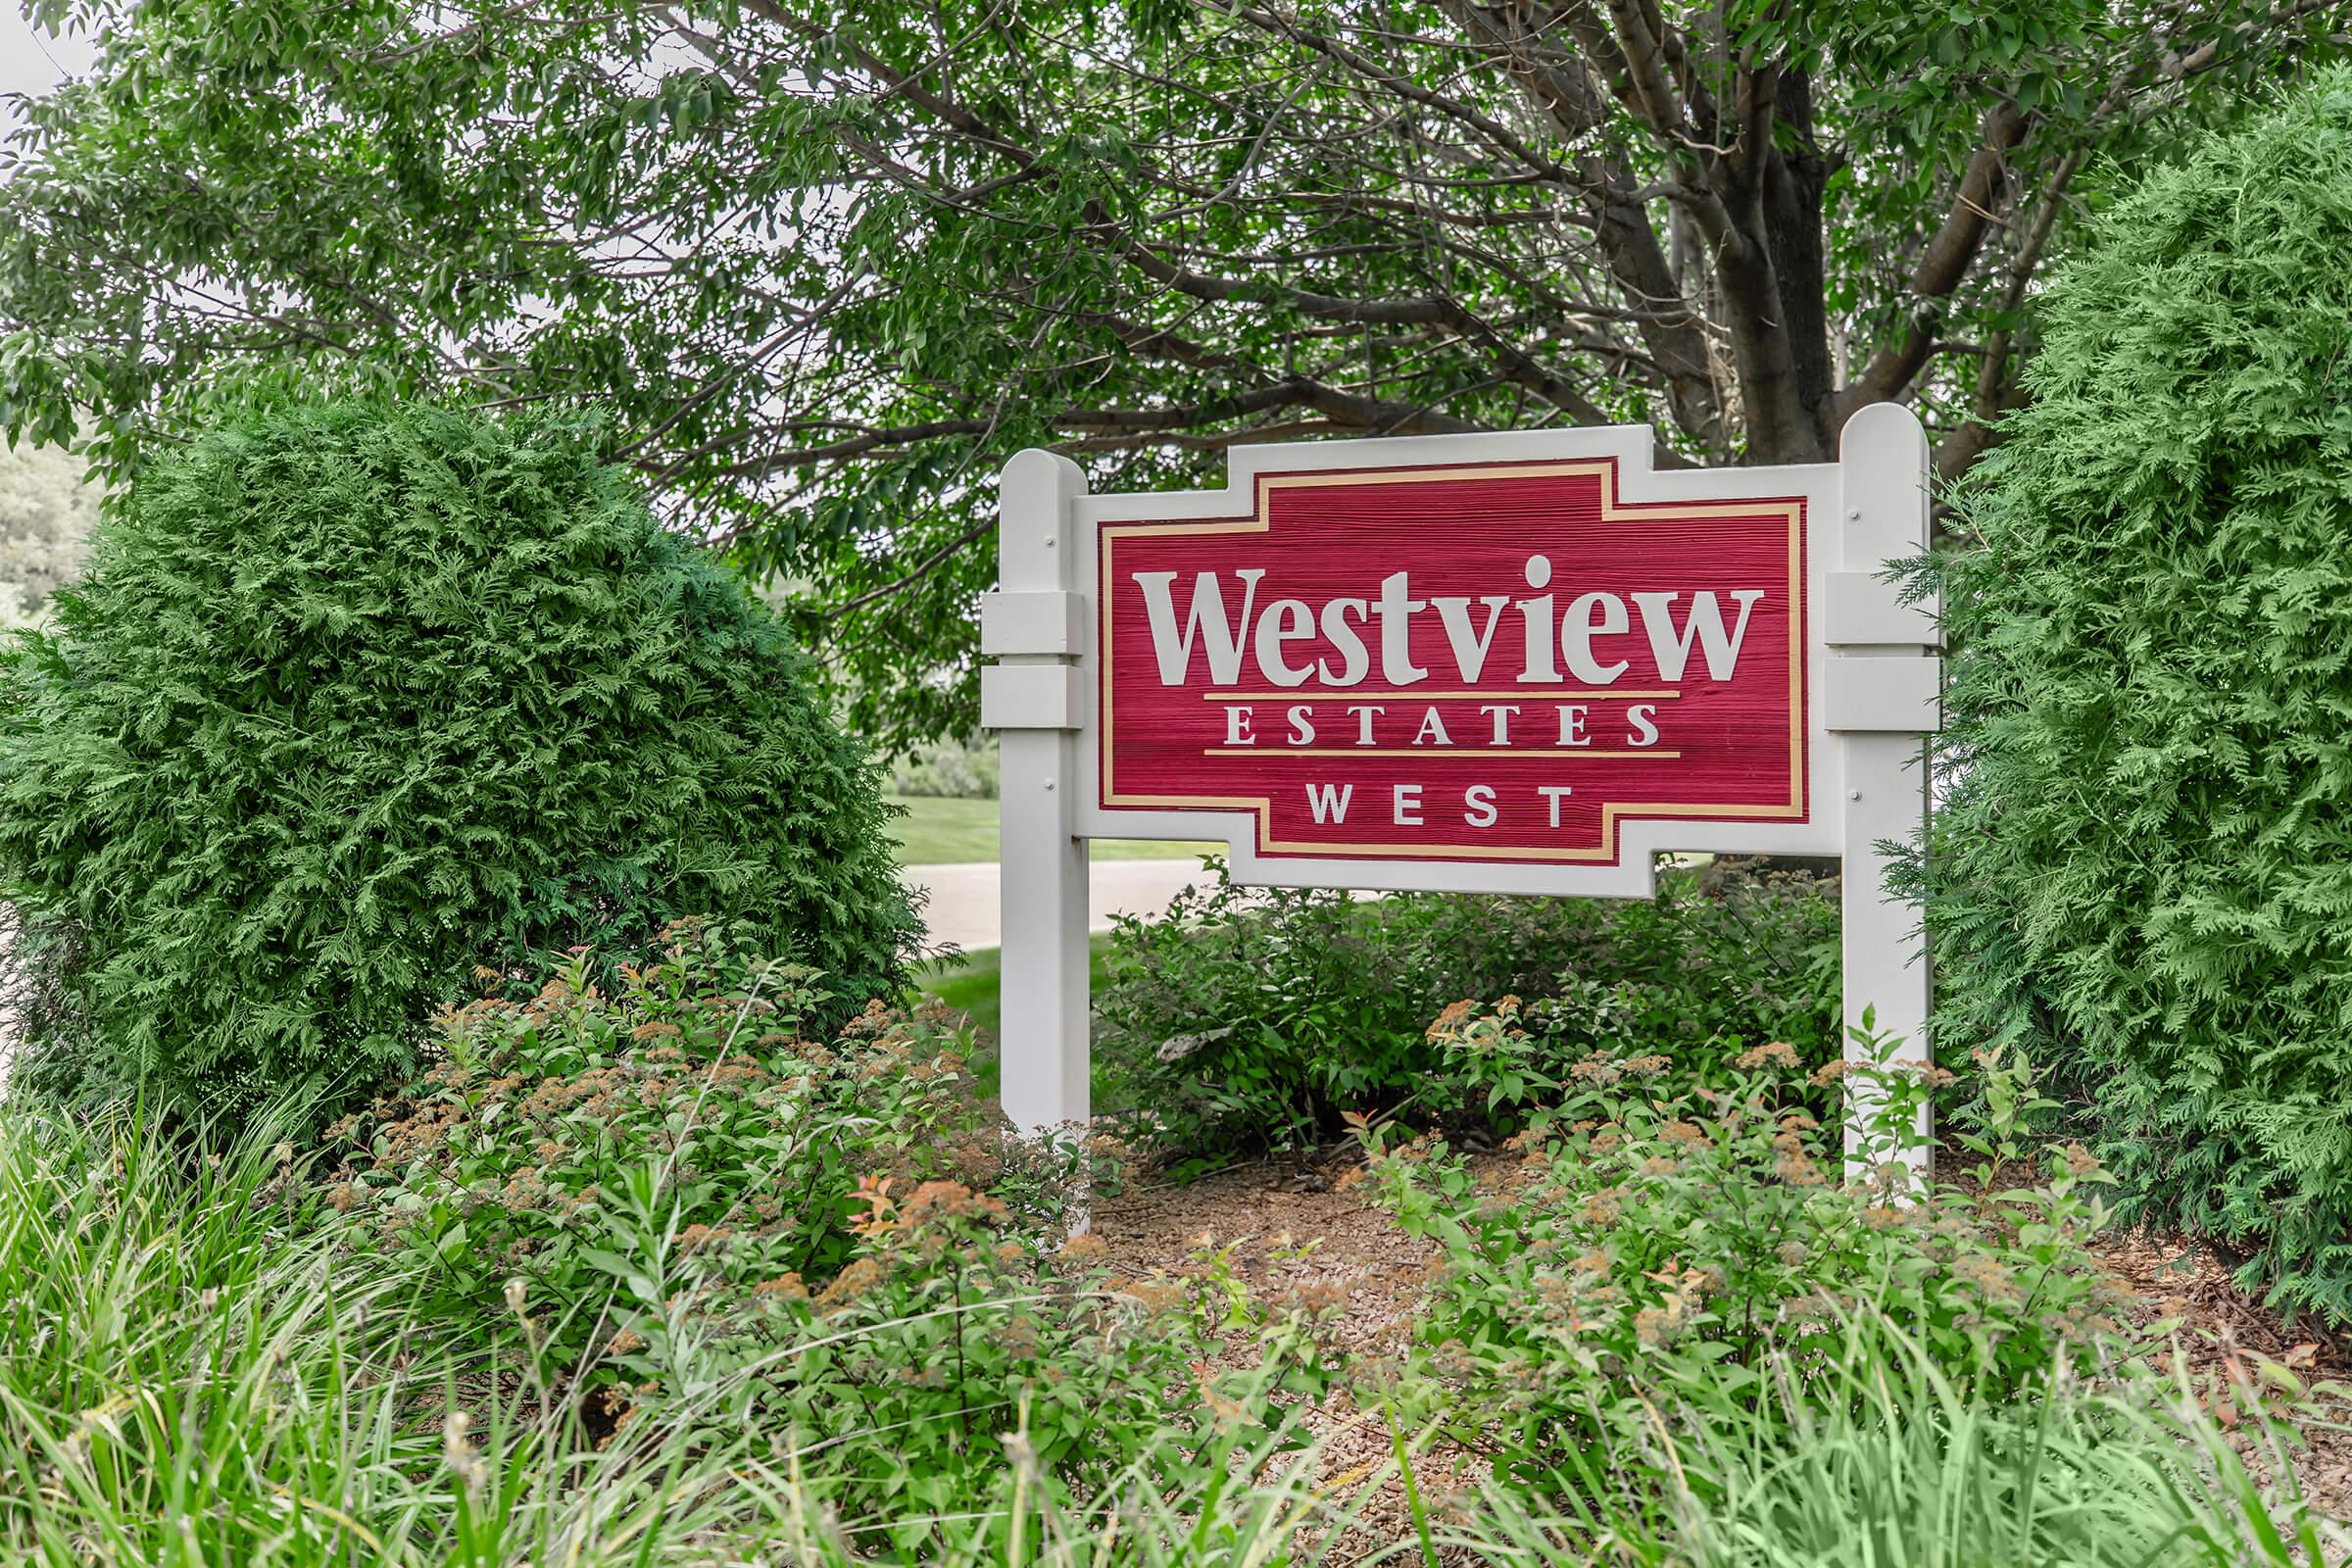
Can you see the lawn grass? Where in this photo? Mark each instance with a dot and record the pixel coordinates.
(974, 983)
(940, 831)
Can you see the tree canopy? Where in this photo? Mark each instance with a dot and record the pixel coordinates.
(829, 264)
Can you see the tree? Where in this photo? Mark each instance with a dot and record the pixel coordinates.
(830, 264)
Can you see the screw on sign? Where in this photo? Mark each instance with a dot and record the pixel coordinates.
(1524, 663)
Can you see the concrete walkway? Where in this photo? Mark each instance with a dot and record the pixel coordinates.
(964, 908)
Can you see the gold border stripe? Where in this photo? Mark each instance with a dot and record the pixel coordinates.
(1431, 752)
(1611, 509)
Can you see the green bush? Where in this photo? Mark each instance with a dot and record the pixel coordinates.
(689, 1207)
(578, 1140)
(1249, 1019)
(2143, 866)
(357, 698)
(1711, 1239)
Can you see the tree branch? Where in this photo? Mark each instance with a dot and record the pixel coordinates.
(1949, 256)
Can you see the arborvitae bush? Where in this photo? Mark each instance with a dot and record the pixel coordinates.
(356, 699)
(2144, 866)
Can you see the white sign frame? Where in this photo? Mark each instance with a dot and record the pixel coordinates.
(1871, 664)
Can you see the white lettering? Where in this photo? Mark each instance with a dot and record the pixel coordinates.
(1643, 732)
(1237, 727)
(1555, 793)
(1354, 662)
(1302, 728)
(1396, 611)
(1479, 798)
(1282, 634)
(1286, 620)
(1432, 725)
(1535, 615)
(1578, 628)
(1539, 668)
(1328, 802)
(1672, 649)
(1408, 798)
(1572, 726)
(1221, 638)
(1501, 714)
(1469, 649)
(1364, 714)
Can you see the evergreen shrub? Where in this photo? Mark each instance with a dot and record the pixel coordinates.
(358, 698)
(2143, 873)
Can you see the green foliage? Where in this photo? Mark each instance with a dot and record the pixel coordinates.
(1888, 1462)
(1137, 233)
(1249, 1019)
(357, 698)
(199, 1374)
(203, 1369)
(2144, 869)
(690, 1207)
(955, 1336)
(1707, 1238)
(574, 1139)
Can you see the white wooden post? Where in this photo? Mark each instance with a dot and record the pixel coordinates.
(1868, 784)
(1882, 703)
(1035, 693)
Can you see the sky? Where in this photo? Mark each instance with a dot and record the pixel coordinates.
(31, 59)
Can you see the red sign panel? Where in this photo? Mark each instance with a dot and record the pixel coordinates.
(1486, 663)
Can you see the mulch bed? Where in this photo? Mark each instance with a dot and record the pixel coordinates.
(1295, 1236)
(2178, 1280)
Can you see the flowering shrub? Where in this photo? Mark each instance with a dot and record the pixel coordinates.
(1702, 1235)
(587, 1142)
(1516, 1061)
(896, 1388)
(671, 1204)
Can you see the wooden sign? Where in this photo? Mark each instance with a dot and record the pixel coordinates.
(1482, 662)
(1523, 662)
